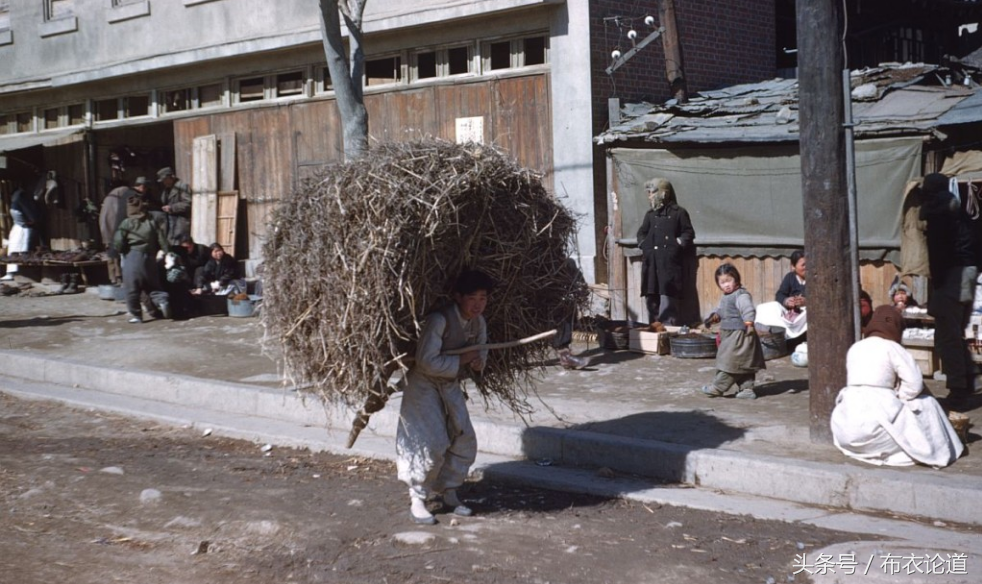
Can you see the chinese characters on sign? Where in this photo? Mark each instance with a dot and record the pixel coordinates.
(887, 563)
(470, 130)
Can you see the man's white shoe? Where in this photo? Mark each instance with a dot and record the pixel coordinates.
(420, 514)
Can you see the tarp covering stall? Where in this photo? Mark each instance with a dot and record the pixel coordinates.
(747, 201)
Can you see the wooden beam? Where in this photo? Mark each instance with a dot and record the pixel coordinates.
(634, 51)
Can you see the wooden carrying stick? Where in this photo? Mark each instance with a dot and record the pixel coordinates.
(503, 344)
(377, 400)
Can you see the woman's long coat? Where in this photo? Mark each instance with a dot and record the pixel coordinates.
(664, 234)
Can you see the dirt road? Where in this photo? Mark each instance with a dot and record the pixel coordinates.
(93, 498)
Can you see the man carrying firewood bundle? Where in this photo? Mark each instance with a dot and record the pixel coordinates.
(435, 441)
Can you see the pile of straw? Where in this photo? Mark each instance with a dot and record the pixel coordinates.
(359, 254)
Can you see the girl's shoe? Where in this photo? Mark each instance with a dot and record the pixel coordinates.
(712, 391)
(746, 393)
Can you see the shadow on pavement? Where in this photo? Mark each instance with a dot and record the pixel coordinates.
(599, 356)
(653, 446)
(779, 387)
(490, 495)
(33, 322)
(690, 428)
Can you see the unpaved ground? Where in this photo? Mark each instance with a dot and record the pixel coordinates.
(71, 484)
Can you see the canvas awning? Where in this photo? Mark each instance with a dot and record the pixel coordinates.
(747, 201)
(47, 138)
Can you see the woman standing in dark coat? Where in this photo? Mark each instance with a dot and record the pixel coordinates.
(665, 232)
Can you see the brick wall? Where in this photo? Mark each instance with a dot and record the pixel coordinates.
(724, 42)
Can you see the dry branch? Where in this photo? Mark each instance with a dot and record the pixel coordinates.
(359, 254)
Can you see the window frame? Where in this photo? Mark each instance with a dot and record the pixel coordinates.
(162, 99)
(5, 9)
(15, 122)
(306, 87)
(321, 76)
(237, 89)
(125, 105)
(55, 25)
(401, 67)
(223, 100)
(95, 109)
(120, 10)
(516, 52)
(7, 32)
(442, 57)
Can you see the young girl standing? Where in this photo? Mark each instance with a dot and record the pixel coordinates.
(740, 355)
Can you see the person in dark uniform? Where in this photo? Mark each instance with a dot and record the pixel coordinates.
(664, 234)
(138, 239)
(175, 202)
(953, 262)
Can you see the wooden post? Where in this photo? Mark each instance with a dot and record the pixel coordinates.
(617, 279)
(824, 194)
(674, 66)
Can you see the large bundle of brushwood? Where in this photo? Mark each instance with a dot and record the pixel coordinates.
(360, 253)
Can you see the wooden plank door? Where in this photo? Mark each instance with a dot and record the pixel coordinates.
(227, 214)
(204, 197)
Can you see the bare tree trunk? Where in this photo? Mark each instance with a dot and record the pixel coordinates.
(824, 193)
(346, 75)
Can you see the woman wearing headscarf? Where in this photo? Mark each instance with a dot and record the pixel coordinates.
(884, 416)
(664, 233)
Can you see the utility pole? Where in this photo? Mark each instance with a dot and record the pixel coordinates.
(674, 66)
(824, 194)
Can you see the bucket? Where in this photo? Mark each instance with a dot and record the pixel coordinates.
(614, 335)
(110, 292)
(209, 304)
(693, 346)
(773, 342)
(243, 307)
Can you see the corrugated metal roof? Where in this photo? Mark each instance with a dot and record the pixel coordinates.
(887, 100)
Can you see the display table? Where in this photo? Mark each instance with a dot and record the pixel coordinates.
(82, 266)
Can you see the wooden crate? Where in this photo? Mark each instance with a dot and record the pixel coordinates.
(644, 341)
(923, 352)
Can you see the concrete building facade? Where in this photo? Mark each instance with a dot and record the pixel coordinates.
(235, 95)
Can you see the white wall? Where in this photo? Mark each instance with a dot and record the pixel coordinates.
(571, 123)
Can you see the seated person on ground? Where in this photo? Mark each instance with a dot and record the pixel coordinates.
(178, 285)
(220, 271)
(884, 416)
(193, 255)
(788, 309)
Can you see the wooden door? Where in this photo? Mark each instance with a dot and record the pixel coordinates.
(204, 197)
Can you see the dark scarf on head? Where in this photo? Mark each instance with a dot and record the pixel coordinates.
(886, 323)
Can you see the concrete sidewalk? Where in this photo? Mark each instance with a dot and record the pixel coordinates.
(633, 414)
